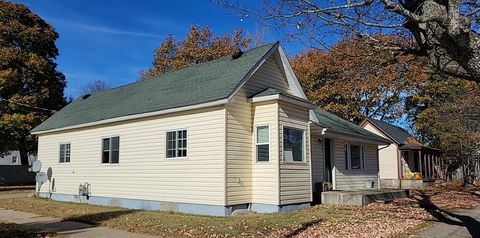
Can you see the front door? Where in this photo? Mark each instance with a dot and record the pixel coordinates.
(328, 160)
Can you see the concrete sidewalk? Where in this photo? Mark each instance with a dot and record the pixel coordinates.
(459, 223)
(66, 228)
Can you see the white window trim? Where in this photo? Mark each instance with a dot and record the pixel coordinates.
(110, 154)
(176, 145)
(349, 158)
(304, 157)
(268, 143)
(59, 145)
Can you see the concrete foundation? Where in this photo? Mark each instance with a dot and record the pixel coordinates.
(201, 209)
(390, 183)
(411, 184)
(362, 197)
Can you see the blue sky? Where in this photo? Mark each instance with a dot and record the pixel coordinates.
(113, 40)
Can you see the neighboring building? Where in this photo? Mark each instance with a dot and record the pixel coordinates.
(13, 158)
(232, 133)
(405, 155)
(12, 172)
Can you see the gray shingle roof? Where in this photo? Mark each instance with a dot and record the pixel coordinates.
(335, 123)
(397, 134)
(201, 83)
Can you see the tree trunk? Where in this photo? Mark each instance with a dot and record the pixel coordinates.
(450, 44)
(23, 154)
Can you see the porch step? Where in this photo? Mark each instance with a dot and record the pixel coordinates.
(362, 197)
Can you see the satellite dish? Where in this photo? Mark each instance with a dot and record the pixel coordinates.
(41, 178)
(49, 174)
(37, 166)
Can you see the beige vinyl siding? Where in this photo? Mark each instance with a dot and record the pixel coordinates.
(295, 181)
(265, 185)
(355, 179)
(318, 160)
(388, 156)
(241, 169)
(143, 171)
(269, 75)
(239, 150)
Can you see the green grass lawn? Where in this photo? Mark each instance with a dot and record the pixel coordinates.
(177, 224)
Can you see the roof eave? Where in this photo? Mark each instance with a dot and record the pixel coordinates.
(347, 134)
(134, 116)
(282, 98)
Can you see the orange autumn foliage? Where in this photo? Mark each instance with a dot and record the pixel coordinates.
(356, 80)
(200, 45)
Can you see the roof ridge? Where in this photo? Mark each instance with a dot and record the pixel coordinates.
(202, 83)
(138, 82)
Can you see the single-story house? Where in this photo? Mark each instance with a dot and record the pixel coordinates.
(233, 133)
(404, 155)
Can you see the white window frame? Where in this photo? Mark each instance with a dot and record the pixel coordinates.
(349, 157)
(110, 150)
(267, 143)
(176, 144)
(304, 149)
(69, 153)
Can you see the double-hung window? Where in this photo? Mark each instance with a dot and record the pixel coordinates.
(64, 153)
(263, 144)
(293, 145)
(354, 157)
(176, 145)
(110, 150)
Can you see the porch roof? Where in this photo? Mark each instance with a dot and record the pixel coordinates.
(417, 147)
(341, 126)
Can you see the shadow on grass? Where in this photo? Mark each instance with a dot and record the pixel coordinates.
(17, 231)
(302, 228)
(472, 225)
(98, 218)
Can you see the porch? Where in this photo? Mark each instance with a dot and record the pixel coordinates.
(421, 160)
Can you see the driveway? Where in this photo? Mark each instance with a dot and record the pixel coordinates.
(458, 223)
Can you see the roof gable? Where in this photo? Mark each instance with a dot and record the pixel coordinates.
(197, 84)
(395, 133)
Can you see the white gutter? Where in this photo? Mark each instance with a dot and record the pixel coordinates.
(136, 116)
(349, 137)
(282, 98)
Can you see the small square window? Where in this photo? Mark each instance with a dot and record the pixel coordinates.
(176, 144)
